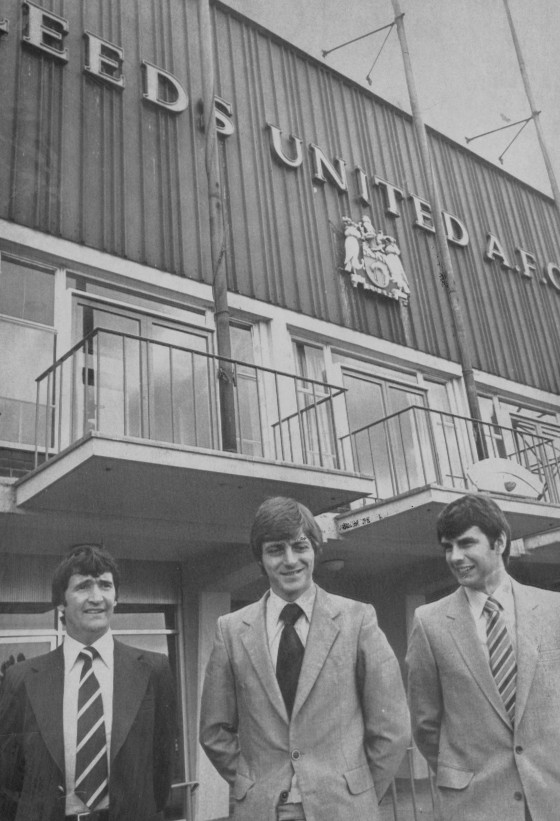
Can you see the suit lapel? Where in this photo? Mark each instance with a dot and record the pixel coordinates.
(528, 629)
(45, 688)
(255, 640)
(463, 631)
(130, 682)
(322, 632)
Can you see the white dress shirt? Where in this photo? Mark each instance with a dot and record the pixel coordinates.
(274, 627)
(504, 596)
(103, 669)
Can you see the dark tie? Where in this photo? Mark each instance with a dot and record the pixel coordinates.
(92, 776)
(502, 657)
(290, 655)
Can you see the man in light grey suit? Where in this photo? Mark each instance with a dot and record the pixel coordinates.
(303, 708)
(484, 672)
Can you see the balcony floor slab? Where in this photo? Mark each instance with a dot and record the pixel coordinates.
(390, 534)
(188, 494)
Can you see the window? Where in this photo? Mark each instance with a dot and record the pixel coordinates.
(155, 387)
(531, 437)
(248, 408)
(27, 342)
(388, 441)
(26, 293)
(313, 422)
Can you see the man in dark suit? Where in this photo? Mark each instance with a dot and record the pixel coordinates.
(303, 709)
(87, 731)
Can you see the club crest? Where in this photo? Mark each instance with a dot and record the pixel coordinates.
(372, 258)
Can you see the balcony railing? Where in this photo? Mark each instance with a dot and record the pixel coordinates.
(123, 385)
(417, 446)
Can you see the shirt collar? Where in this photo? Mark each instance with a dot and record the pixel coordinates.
(503, 595)
(104, 646)
(276, 604)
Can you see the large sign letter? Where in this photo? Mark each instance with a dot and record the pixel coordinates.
(163, 89)
(494, 249)
(553, 275)
(423, 211)
(223, 111)
(278, 151)
(391, 192)
(321, 162)
(528, 262)
(104, 60)
(456, 230)
(45, 31)
(363, 190)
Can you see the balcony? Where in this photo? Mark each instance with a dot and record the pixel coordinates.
(417, 446)
(129, 434)
(129, 428)
(419, 460)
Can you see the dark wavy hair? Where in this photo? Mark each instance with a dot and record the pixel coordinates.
(88, 560)
(474, 510)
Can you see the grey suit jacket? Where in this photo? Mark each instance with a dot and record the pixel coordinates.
(32, 782)
(485, 767)
(349, 727)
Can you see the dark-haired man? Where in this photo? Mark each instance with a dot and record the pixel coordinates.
(303, 709)
(87, 731)
(484, 666)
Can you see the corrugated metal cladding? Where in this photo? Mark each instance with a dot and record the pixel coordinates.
(111, 171)
(117, 173)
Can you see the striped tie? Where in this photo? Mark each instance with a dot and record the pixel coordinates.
(92, 776)
(502, 657)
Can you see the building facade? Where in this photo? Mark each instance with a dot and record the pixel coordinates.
(348, 389)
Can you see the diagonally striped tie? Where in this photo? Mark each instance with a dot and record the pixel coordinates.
(92, 776)
(502, 657)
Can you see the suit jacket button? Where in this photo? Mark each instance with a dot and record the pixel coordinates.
(518, 796)
(296, 755)
(284, 796)
(519, 749)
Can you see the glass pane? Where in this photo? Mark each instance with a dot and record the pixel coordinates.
(26, 352)
(117, 386)
(314, 413)
(406, 446)
(248, 413)
(26, 293)
(438, 397)
(181, 387)
(242, 343)
(248, 409)
(365, 405)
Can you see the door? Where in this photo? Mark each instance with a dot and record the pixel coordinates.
(391, 447)
(143, 376)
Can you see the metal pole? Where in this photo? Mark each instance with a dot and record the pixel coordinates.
(534, 112)
(447, 275)
(217, 232)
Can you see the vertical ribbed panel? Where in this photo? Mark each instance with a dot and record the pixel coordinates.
(100, 166)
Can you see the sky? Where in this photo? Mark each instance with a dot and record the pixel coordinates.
(465, 66)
